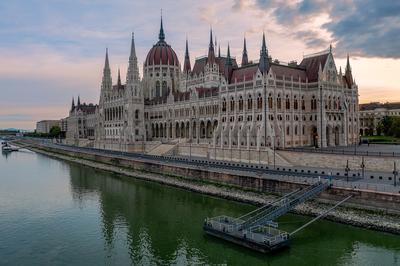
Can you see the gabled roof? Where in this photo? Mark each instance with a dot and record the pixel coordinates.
(311, 64)
(289, 71)
(201, 63)
(244, 73)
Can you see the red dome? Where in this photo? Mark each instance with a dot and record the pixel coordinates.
(161, 54)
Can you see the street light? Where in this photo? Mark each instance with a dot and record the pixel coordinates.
(362, 167)
(347, 169)
(395, 173)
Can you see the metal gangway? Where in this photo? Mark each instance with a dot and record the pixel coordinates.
(256, 229)
(266, 214)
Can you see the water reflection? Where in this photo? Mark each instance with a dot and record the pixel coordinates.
(162, 225)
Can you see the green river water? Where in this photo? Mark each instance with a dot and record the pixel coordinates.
(58, 213)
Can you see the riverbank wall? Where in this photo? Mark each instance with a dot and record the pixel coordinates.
(376, 210)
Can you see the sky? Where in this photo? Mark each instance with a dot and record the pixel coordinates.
(53, 50)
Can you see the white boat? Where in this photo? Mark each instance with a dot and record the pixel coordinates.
(8, 148)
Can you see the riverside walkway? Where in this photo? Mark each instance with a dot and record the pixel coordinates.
(374, 181)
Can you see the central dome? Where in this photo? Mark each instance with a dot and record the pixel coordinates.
(161, 53)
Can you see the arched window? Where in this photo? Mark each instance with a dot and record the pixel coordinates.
(279, 102)
(240, 103)
(270, 103)
(137, 114)
(249, 102)
(232, 104)
(164, 88)
(295, 130)
(295, 103)
(157, 88)
(287, 102)
(288, 130)
(223, 105)
(259, 101)
(303, 104)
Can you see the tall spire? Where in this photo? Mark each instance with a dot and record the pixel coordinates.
(186, 66)
(228, 65)
(133, 49)
(264, 60)
(73, 104)
(245, 59)
(79, 101)
(348, 74)
(219, 50)
(119, 84)
(348, 68)
(106, 81)
(211, 55)
(161, 35)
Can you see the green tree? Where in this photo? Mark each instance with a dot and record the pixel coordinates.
(385, 125)
(395, 127)
(55, 131)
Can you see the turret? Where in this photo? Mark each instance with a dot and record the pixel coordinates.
(186, 66)
(73, 104)
(348, 74)
(211, 54)
(119, 84)
(228, 65)
(245, 59)
(264, 60)
(161, 35)
(132, 75)
(79, 101)
(106, 83)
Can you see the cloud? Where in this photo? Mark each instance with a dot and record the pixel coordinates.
(366, 28)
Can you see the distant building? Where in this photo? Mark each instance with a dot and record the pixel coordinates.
(372, 113)
(80, 123)
(44, 126)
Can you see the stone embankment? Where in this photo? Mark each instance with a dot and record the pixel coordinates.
(376, 220)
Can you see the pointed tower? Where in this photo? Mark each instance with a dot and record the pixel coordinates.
(228, 66)
(211, 54)
(161, 35)
(219, 51)
(119, 83)
(186, 66)
(264, 60)
(245, 59)
(134, 97)
(348, 74)
(106, 83)
(79, 101)
(132, 76)
(73, 104)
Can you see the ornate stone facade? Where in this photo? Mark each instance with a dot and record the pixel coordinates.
(253, 105)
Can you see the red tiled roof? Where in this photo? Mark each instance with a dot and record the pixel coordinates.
(244, 73)
(289, 71)
(311, 64)
(161, 54)
(201, 63)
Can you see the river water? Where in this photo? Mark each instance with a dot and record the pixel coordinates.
(59, 213)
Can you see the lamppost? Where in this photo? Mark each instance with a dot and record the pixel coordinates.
(362, 167)
(395, 173)
(321, 103)
(347, 169)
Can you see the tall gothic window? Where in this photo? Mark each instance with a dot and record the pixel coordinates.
(287, 102)
(279, 102)
(270, 103)
(157, 88)
(259, 101)
(249, 102)
(223, 105)
(232, 104)
(240, 103)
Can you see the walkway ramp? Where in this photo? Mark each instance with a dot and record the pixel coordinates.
(256, 229)
(162, 149)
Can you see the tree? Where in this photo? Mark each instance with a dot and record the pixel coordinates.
(385, 125)
(395, 127)
(55, 131)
